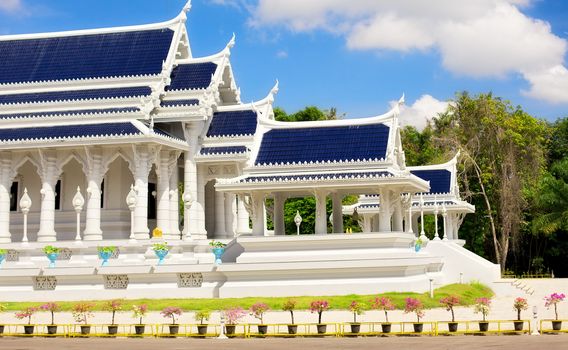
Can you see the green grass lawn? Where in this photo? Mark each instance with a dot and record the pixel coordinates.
(467, 294)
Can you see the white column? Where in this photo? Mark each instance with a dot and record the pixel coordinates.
(279, 226)
(163, 193)
(194, 182)
(385, 211)
(230, 211)
(242, 217)
(142, 166)
(415, 223)
(220, 230)
(397, 216)
(257, 214)
(375, 223)
(444, 216)
(6, 177)
(95, 174)
(321, 213)
(337, 208)
(49, 174)
(174, 202)
(367, 220)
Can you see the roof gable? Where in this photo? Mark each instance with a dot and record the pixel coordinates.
(324, 144)
(90, 94)
(106, 55)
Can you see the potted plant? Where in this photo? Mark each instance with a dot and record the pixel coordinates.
(27, 313)
(482, 305)
(385, 304)
(139, 311)
(52, 308)
(52, 253)
(552, 300)
(105, 253)
(161, 250)
(232, 316)
(290, 305)
(418, 245)
(415, 305)
(357, 309)
(320, 306)
(3, 253)
(81, 313)
(171, 312)
(113, 306)
(258, 310)
(450, 302)
(519, 305)
(218, 250)
(201, 316)
(2, 308)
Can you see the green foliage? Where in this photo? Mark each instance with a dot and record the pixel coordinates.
(49, 249)
(160, 246)
(202, 315)
(552, 200)
(467, 294)
(106, 249)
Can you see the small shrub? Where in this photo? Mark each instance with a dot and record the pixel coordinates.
(357, 309)
(233, 315)
(51, 307)
(482, 306)
(171, 312)
(27, 313)
(113, 306)
(290, 305)
(552, 300)
(450, 302)
(139, 311)
(414, 305)
(258, 310)
(519, 305)
(202, 315)
(319, 306)
(383, 303)
(82, 311)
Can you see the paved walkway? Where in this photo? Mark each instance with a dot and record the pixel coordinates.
(548, 342)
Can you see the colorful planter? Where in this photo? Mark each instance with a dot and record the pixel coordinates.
(161, 254)
(218, 252)
(52, 258)
(104, 257)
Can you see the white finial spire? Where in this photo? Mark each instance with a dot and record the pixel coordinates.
(275, 88)
(231, 42)
(187, 6)
(401, 100)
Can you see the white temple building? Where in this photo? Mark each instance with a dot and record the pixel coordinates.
(101, 114)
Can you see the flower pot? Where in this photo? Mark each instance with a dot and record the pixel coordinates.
(218, 252)
(174, 329)
(2, 258)
(453, 326)
(52, 259)
(230, 329)
(417, 247)
(292, 329)
(483, 326)
(355, 328)
(556, 325)
(28, 330)
(52, 329)
(1, 329)
(104, 257)
(386, 327)
(418, 327)
(202, 329)
(112, 329)
(262, 329)
(519, 325)
(85, 330)
(322, 328)
(139, 329)
(161, 254)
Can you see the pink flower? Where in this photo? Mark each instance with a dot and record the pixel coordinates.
(27, 313)
(232, 315)
(258, 310)
(552, 300)
(414, 305)
(383, 303)
(171, 311)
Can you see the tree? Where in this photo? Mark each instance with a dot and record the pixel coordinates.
(552, 200)
(502, 151)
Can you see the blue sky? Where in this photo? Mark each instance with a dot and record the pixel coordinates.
(357, 55)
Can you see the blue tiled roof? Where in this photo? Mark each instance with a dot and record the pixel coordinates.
(84, 56)
(192, 76)
(321, 144)
(66, 113)
(439, 179)
(315, 177)
(178, 103)
(232, 123)
(76, 95)
(223, 150)
(68, 131)
(415, 203)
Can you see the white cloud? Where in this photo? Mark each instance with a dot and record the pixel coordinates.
(550, 84)
(481, 38)
(282, 54)
(10, 5)
(421, 111)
